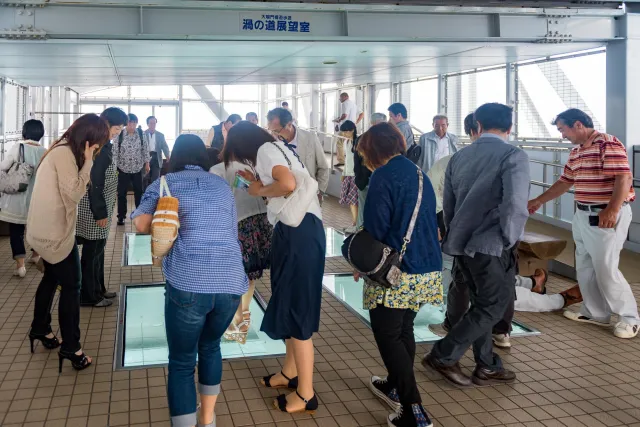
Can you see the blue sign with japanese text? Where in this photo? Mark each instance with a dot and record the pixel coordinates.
(274, 23)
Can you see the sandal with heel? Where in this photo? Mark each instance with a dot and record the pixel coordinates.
(293, 382)
(78, 361)
(234, 333)
(311, 405)
(48, 343)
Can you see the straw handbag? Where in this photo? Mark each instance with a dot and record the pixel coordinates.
(165, 224)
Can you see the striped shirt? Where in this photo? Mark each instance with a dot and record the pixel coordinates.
(206, 257)
(592, 170)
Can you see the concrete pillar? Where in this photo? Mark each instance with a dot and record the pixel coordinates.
(623, 98)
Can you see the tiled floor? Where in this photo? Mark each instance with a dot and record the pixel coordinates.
(571, 375)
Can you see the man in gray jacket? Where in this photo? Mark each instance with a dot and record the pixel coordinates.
(157, 146)
(485, 199)
(398, 116)
(304, 143)
(437, 144)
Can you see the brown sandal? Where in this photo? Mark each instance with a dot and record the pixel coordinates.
(544, 282)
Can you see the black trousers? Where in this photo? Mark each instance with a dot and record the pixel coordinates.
(393, 330)
(124, 179)
(92, 263)
(67, 274)
(490, 281)
(154, 169)
(458, 304)
(16, 239)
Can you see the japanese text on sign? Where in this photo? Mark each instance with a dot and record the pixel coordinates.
(275, 24)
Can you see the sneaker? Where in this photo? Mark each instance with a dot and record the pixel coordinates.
(121, 222)
(383, 390)
(572, 315)
(501, 340)
(410, 416)
(625, 330)
(110, 295)
(103, 303)
(20, 272)
(33, 259)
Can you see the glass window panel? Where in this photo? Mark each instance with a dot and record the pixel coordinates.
(242, 92)
(328, 85)
(286, 90)
(197, 116)
(330, 99)
(304, 89)
(91, 108)
(216, 91)
(154, 92)
(383, 101)
(189, 93)
(111, 92)
(271, 91)
(423, 103)
(303, 111)
(242, 108)
(142, 111)
(166, 115)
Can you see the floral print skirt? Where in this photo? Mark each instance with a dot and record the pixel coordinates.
(255, 235)
(414, 291)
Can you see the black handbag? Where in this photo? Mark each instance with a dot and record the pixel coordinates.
(376, 260)
(414, 152)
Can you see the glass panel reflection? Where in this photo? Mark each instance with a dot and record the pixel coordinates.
(145, 340)
(334, 242)
(350, 293)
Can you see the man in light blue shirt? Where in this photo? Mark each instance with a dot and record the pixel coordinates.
(485, 210)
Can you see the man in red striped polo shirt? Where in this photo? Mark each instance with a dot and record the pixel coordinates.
(598, 170)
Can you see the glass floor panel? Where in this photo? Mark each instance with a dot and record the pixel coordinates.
(349, 293)
(137, 247)
(136, 250)
(334, 242)
(142, 338)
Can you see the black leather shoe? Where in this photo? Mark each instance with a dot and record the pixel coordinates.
(121, 222)
(483, 376)
(452, 374)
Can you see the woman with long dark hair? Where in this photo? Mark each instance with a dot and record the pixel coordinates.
(61, 181)
(297, 261)
(205, 278)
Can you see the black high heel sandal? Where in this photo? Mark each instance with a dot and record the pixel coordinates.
(48, 343)
(293, 382)
(78, 361)
(311, 405)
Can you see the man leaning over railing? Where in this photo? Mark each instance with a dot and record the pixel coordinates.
(598, 169)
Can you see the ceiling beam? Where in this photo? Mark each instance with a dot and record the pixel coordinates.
(123, 22)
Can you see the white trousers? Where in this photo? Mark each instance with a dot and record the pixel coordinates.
(531, 301)
(604, 289)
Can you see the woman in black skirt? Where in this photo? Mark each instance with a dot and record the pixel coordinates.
(297, 262)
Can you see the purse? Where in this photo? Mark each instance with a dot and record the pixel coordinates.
(16, 179)
(376, 260)
(292, 208)
(165, 224)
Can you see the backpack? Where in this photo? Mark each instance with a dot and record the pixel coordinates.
(139, 130)
(414, 152)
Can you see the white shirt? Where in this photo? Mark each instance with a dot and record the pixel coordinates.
(269, 157)
(294, 141)
(437, 175)
(442, 150)
(351, 110)
(152, 142)
(246, 205)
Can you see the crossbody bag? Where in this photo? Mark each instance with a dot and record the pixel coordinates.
(378, 261)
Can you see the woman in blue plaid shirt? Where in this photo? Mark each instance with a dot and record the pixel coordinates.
(204, 274)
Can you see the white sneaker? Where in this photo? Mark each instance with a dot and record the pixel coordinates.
(577, 317)
(625, 330)
(33, 259)
(501, 340)
(21, 272)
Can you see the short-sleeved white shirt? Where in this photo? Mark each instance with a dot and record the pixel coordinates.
(269, 157)
(349, 108)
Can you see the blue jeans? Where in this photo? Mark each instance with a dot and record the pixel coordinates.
(194, 324)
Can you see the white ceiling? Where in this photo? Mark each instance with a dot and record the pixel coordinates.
(80, 63)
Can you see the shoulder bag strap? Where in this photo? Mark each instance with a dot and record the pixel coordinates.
(283, 153)
(164, 187)
(414, 216)
(21, 153)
